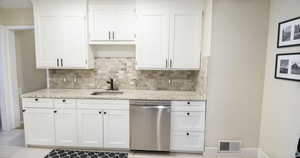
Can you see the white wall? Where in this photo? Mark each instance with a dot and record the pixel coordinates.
(29, 78)
(16, 16)
(280, 127)
(236, 71)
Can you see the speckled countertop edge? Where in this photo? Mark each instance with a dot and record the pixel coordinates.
(127, 94)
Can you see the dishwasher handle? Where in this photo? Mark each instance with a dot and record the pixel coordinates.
(149, 107)
(149, 103)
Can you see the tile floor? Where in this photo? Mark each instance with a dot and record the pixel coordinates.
(12, 146)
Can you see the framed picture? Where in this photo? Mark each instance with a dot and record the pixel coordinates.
(288, 66)
(289, 33)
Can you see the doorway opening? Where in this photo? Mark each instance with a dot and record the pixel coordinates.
(18, 73)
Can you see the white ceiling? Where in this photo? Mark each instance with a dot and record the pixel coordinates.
(15, 4)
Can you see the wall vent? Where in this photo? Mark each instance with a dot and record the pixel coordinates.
(229, 146)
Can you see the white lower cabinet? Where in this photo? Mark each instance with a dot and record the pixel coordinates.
(103, 128)
(187, 126)
(39, 126)
(90, 128)
(116, 129)
(77, 123)
(105, 124)
(65, 127)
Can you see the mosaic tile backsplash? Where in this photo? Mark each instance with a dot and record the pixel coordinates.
(126, 77)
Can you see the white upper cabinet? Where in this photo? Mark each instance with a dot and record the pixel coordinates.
(125, 21)
(61, 34)
(152, 38)
(48, 46)
(112, 22)
(185, 37)
(169, 34)
(101, 24)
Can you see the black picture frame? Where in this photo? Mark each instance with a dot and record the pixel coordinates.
(279, 33)
(277, 66)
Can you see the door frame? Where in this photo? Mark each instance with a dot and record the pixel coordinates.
(9, 94)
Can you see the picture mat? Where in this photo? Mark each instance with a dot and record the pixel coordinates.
(292, 40)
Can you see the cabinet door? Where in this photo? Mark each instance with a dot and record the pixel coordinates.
(39, 126)
(75, 42)
(90, 128)
(152, 46)
(125, 25)
(101, 24)
(65, 127)
(116, 129)
(61, 35)
(49, 46)
(185, 39)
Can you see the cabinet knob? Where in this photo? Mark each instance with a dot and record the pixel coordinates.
(187, 133)
(36, 99)
(104, 113)
(55, 111)
(64, 100)
(188, 114)
(23, 110)
(188, 103)
(100, 112)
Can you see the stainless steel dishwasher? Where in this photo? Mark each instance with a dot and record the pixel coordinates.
(150, 125)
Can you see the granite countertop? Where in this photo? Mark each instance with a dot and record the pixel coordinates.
(127, 94)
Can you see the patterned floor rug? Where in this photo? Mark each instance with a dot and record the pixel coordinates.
(60, 153)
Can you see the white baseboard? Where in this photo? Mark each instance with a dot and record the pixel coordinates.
(262, 154)
(212, 152)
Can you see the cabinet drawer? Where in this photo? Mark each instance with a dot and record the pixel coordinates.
(37, 103)
(187, 141)
(103, 104)
(65, 103)
(188, 106)
(182, 121)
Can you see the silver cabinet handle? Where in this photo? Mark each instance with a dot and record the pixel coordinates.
(166, 63)
(171, 63)
(113, 35)
(109, 35)
(61, 62)
(57, 62)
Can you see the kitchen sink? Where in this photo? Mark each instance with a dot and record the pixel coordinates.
(107, 93)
